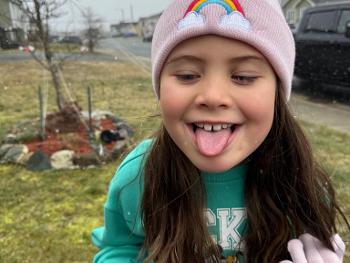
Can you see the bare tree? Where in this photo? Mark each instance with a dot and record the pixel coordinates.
(93, 29)
(39, 13)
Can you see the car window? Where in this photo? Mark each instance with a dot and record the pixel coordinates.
(344, 18)
(321, 21)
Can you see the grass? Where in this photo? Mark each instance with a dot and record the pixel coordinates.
(48, 217)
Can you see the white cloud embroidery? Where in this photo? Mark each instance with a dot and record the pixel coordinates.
(235, 20)
(192, 19)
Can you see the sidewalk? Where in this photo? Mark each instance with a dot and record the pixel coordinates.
(333, 115)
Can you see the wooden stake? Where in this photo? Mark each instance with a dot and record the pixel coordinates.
(42, 114)
(91, 131)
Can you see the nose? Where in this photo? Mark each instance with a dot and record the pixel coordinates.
(214, 93)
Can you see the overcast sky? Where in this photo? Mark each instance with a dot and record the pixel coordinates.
(109, 11)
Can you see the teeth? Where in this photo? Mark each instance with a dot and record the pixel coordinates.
(208, 127)
(216, 127)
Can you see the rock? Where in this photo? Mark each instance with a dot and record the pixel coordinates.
(38, 161)
(11, 139)
(97, 115)
(22, 132)
(127, 128)
(119, 147)
(63, 160)
(24, 159)
(15, 154)
(87, 160)
(4, 149)
(85, 114)
(101, 115)
(123, 132)
(26, 125)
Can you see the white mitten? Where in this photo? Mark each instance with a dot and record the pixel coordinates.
(309, 249)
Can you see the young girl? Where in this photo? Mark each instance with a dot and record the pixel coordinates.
(229, 177)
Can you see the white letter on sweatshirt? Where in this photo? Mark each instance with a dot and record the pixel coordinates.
(229, 223)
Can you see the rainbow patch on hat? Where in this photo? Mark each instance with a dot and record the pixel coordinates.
(234, 18)
(229, 5)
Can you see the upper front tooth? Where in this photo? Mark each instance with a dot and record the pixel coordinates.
(208, 127)
(224, 126)
(217, 127)
(200, 125)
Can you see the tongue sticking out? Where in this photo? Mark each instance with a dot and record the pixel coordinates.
(212, 143)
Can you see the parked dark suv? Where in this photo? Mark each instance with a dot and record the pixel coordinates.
(323, 46)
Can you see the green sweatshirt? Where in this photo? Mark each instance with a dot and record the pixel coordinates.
(121, 238)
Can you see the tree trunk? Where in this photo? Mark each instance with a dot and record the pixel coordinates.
(60, 98)
(53, 67)
(91, 46)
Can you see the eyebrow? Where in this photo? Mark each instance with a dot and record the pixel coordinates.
(239, 59)
(242, 59)
(188, 58)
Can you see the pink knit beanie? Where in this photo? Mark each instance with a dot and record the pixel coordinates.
(259, 23)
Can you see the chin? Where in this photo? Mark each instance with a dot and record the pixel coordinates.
(215, 166)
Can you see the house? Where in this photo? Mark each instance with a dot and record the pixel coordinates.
(126, 29)
(13, 25)
(5, 15)
(294, 9)
(11, 16)
(147, 26)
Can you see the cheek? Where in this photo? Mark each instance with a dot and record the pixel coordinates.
(173, 99)
(261, 102)
(169, 102)
(259, 109)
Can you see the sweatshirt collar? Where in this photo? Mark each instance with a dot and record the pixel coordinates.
(235, 173)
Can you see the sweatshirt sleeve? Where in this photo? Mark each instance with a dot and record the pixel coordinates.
(121, 238)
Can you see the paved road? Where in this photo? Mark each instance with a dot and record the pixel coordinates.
(21, 56)
(133, 45)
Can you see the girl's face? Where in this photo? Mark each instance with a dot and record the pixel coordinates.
(217, 100)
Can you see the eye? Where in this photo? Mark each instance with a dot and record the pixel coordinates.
(187, 77)
(243, 80)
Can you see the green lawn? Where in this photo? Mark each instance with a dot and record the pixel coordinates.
(47, 217)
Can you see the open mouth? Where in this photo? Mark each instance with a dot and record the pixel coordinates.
(213, 139)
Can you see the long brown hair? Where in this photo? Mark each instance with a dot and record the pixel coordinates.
(286, 194)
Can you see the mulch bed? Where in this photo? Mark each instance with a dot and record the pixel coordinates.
(65, 130)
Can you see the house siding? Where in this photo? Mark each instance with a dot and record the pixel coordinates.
(5, 14)
(293, 10)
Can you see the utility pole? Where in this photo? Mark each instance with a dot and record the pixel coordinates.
(121, 10)
(132, 13)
